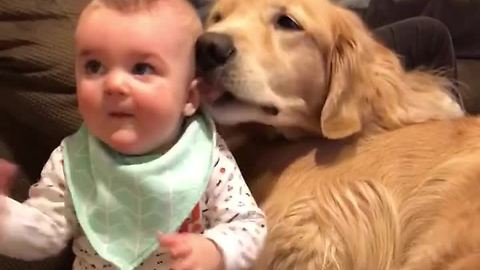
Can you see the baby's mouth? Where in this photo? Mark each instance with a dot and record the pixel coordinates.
(120, 115)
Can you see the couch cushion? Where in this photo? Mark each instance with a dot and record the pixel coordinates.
(37, 101)
(463, 20)
(36, 70)
(460, 17)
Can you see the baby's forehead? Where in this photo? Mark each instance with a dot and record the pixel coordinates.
(160, 31)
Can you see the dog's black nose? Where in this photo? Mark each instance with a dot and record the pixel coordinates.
(213, 50)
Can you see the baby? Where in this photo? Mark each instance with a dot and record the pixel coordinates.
(146, 182)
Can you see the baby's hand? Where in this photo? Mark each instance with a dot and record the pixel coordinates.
(191, 251)
(7, 171)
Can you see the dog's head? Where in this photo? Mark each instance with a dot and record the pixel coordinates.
(298, 65)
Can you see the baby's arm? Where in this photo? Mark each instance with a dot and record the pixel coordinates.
(38, 228)
(237, 225)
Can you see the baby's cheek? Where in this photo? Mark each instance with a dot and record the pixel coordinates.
(88, 103)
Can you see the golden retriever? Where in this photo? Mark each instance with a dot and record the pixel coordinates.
(380, 169)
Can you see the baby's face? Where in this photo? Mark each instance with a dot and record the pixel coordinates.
(134, 74)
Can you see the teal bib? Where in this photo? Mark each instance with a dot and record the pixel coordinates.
(121, 202)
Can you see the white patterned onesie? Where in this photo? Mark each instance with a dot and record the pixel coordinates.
(43, 225)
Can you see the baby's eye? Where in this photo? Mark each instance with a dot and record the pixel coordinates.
(143, 69)
(93, 67)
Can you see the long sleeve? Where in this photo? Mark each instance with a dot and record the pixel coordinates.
(235, 223)
(39, 227)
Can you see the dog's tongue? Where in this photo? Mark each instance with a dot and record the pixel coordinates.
(209, 93)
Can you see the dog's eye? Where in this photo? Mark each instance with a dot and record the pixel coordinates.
(217, 17)
(288, 23)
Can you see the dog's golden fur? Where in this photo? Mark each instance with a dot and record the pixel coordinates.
(404, 199)
(381, 171)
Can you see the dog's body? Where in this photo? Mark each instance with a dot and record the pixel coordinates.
(384, 171)
(404, 199)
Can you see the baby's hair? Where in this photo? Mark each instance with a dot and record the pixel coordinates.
(134, 5)
(127, 5)
(184, 7)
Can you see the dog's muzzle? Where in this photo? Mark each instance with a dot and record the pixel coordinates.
(213, 50)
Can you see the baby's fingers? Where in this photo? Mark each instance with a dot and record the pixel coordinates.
(177, 245)
(7, 172)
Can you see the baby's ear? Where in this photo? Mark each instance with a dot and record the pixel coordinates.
(193, 99)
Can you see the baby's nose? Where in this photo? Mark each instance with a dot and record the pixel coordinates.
(115, 83)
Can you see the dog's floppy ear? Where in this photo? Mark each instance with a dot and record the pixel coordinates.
(368, 89)
(341, 113)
